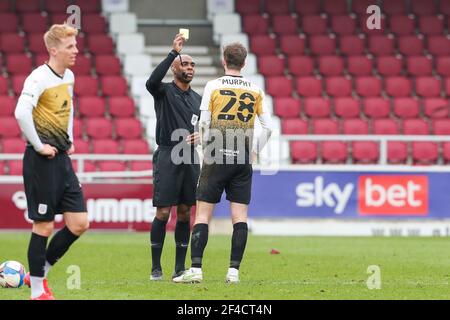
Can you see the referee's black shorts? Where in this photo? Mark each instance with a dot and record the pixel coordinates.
(235, 179)
(51, 186)
(173, 184)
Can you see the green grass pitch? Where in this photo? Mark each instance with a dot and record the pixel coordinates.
(117, 266)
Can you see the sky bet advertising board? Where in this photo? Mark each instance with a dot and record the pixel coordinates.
(350, 195)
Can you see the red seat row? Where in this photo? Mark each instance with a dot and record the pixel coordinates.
(339, 7)
(51, 6)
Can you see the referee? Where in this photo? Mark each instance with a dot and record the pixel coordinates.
(177, 106)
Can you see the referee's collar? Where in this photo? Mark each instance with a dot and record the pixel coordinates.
(178, 88)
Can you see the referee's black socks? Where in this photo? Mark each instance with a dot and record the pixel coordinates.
(181, 242)
(238, 243)
(60, 243)
(157, 236)
(198, 243)
(36, 255)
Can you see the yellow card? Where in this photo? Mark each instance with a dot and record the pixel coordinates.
(185, 33)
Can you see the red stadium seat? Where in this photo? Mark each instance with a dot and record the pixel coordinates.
(360, 65)
(91, 106)
(363, 19)
(271, 65)
(7, 106)
(15, 167)
(93, 23)
(77, 128)
(280, 86)
(394, 7)
(431, 25)
(314, 24)
(141, 165)
(323, 44)
(135, 146)
(390, 65)
(294, 126)
(381, 45)
(331, 65)
(436, 108)
(114, 86)
(88, 166)
(443, 66)
(385, 126)
(353, 45)
(365, 152)
(88, 6)
(28, 6)
(82, 146)
(423, 7)
(301, 65)
(347, 107)
(360, 6)
(292, 44)
(285, 24)
(42, 58)
(325, 126)
(56, 6)
(415, 127)
(13, 145)
(12, 43)
(36, 43)
(128, 128)
(425, 153)
(402, 25)
(441, 127)
(447, 86)
(338, 86)
(335, 7)
(438, 45)
(406, 107)
(263, 44)
(98, 128)
(111, 166)
(355, 126)
(9, 128)
(122, 107)
(86, 86)
(444, 7)
(397, 152)
(100, 44)
(368, 86)
(277, 6)
(287, 107)
(411, 45)
(19, 64)
(309, 86)
(334, 152)
(2, 168)
(17, 83)
(428, 87)
(377, 107)
(303, 152)
(82, 66)
(10, 21)
(5, 5)
(108, 65)
(419, 65)
(254, 24)
(343, 24)
(307, 7)
(105, 146)
(317, 107)
(398, 86)
(248, 6)
(445, 152)
(4, 86)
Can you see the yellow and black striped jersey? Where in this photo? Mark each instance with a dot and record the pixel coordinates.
(51, 96)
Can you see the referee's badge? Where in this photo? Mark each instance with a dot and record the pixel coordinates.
(194, 119)
(42, 209)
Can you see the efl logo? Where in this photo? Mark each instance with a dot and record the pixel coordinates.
(393, 195)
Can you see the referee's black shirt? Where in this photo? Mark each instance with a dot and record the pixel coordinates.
(174, 107)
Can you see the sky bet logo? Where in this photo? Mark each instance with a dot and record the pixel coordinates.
(393, 195)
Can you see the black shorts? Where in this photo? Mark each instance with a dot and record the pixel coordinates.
(51, 186)
(235, 179)
(173, 184)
